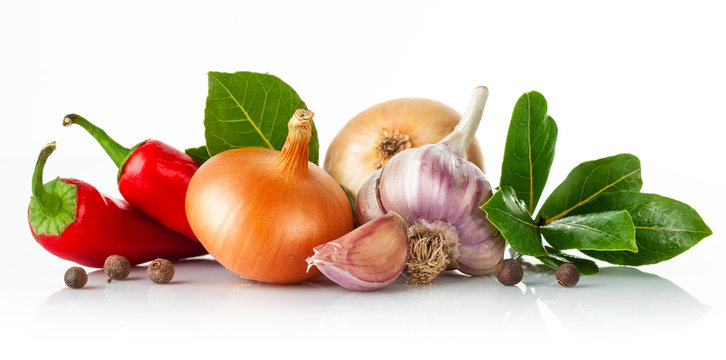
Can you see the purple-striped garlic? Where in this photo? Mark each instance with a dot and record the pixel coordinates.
(367, 258)
(439, 194)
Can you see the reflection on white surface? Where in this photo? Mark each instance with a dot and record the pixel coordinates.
(205, 297)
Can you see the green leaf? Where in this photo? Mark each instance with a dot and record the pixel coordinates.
(530, 149)
(555, 258)
(608, 230)
(664, 227)
(351, 201)
(198, 154)
(510, 216)
(246, 109)
(589, 180)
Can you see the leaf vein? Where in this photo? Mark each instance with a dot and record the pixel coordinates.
(244, 111)
(513, 217)
(563, 213)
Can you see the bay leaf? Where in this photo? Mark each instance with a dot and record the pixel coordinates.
(530, 149)
(607, 230)
(247, 109)
(198, 154)
(555, 258)
(510, 216)
(664, 227)
(589, 180)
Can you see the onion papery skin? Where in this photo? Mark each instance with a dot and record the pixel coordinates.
(260, 221)
(353, 155)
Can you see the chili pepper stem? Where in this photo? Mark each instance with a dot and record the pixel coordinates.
(49, 204)
(118, 153)
(53, 205)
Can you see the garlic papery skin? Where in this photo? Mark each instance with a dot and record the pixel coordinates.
(367, 258)
(367, 206)
(480, 258)
(436, 184)
(371, 138)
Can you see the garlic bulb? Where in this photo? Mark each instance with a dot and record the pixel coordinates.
(439, 194)
(371, 138)
(367, 258)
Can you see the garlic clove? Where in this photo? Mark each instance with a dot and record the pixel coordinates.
(481, 245)
(367, 205)
(367, 258)
(480, 258)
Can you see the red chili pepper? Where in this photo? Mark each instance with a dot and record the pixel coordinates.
(74, 221)
(152, 176)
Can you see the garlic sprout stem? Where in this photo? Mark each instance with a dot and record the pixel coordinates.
(460, 139)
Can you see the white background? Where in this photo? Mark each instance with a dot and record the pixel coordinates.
(619, 76)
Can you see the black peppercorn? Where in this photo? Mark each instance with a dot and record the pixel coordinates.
(160, 271)
(75, 277)
(509, 272)
(116, 267)
(567, 275)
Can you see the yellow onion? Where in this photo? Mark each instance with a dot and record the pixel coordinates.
(260, 212)
(371, 138)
